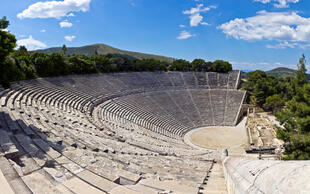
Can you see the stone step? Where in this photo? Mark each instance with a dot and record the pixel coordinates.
(38, 183)
(76, 185)
(97, 181)
(46, 148)
(103, 184)
(7, 146)
(4, 185)
(12, 177)
(216, 183)
(143, 189)
(169, 185)
(121, 189)
(211, 191)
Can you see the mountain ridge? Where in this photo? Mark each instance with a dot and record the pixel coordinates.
(103, 49)
(282, 72)
(279, 72)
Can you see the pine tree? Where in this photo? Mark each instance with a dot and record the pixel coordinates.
(301, 76)
(64, 50)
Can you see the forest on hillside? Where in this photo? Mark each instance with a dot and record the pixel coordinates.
(20, 64)
(289, 100)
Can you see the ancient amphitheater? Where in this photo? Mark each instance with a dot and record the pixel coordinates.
(124, 133)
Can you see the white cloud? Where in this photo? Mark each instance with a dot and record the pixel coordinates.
(263, 1)
(31, 44)
(287, 28)
(195, 19)
(278, 3)
(54, 9)
(71, 15)
(204, 23)
(182, 26)
(70, 38)
(185, 35)
(65, 24)
(282, 45)
(195, 14)
(43, 30)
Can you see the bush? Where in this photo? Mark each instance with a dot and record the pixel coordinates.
(221, 66)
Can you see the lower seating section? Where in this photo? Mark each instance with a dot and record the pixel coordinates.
(46, 140)
(184, 100)
(169, 105)
(218, 103)
(111, 133)
(204, 105)
(233, 107)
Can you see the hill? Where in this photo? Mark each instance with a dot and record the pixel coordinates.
(277, 72)
(282, 72)
(102, 49)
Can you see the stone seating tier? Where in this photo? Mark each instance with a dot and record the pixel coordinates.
(112, 133)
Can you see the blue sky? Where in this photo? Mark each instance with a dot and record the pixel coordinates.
(251, 34)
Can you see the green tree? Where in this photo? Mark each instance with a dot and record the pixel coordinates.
(260, 86)
(64, 50)
(295, 118)
(7, 40)
(199, 65)
(23, 50)
(42, 64)
(59, 65)
(7, 44)
(301, 76)
(180, 65)
(298, 147)
(102, 63)
(151, 65)
(274, 102)
(79, 64)
(10, 72)
(25, 64)
(221, 66)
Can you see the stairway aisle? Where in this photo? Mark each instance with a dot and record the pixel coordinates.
(216, 181)
(4, 185)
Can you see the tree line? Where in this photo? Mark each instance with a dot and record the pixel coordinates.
(20, 64)
(289, 99)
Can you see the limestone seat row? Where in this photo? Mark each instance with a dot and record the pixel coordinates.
(46, 137)
(173, 113)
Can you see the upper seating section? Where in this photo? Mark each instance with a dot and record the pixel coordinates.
(98, 84)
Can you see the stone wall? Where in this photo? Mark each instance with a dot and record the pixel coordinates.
(245, 176)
